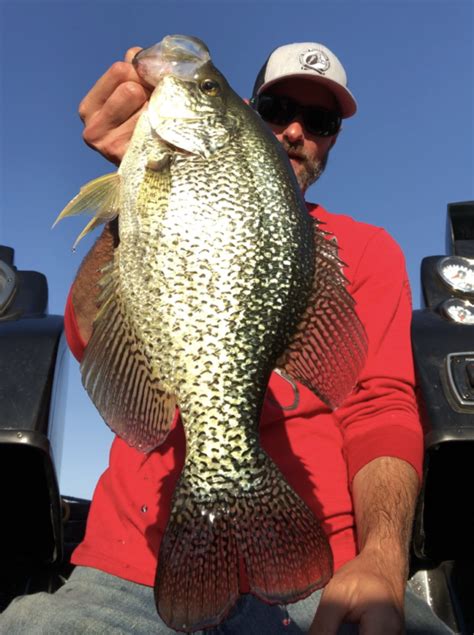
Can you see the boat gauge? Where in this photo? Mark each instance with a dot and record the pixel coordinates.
(459, 311)
(457, 273)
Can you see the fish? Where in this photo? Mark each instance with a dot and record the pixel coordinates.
(220, 277)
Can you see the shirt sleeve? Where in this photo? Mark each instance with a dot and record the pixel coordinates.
(74, 340)
(380, 417)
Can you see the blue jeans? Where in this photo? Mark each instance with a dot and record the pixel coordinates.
(93, 602)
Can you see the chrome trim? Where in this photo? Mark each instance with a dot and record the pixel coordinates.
(467, 356)
(7, 285)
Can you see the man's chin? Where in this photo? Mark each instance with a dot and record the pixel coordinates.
(303, 176)
(299, 169)
(307, 173)
(307, 176)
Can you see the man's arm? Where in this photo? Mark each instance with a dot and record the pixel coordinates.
(109, 111)
(369, 590)
(383, 448)
(384, 493)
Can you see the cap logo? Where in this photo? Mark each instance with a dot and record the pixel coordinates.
(315, 60)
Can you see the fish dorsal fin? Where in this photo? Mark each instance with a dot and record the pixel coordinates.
(118, 376)
(329, 348)
(99, 197)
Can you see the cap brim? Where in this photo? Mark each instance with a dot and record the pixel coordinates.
(345, 99)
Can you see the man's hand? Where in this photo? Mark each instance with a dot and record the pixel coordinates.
(111, 108)
(363, 592)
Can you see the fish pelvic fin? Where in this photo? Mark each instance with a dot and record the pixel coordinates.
(99, 197)
(329, 348)
(266, 531)
(119, 378)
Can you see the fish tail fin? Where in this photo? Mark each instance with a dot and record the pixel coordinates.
(266, 528)
(283, 546)
(197, 580)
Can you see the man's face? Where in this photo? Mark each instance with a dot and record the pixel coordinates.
(308, 153)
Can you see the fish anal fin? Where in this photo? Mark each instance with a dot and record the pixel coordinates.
(329, 348)
(267, 527)
(120, 379)
(99, 197)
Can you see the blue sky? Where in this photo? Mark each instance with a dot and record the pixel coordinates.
(397, 164)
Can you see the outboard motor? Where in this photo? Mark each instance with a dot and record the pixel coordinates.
(32, 400)
(443, 345)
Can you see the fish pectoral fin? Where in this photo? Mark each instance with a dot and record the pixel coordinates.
(267, 529)
(158, 160)
(329, 348)
(99, 197)
(120, 379)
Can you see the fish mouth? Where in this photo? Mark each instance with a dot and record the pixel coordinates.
(184, 48)
(178, 55)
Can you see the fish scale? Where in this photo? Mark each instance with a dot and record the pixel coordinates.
(192, 222)
(220, 276)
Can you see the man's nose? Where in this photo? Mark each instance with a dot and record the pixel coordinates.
(294, 131)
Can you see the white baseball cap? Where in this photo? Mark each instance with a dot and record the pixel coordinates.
(312, 61)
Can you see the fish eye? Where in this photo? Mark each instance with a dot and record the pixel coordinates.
(210, 87)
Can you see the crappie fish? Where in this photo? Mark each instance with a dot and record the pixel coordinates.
(220, 277)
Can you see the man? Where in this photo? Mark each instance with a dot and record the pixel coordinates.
(358, 468)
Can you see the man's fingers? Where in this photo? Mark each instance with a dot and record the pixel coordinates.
(122, 104)
(130, 54)
(113, 144)
(374, 617)
(115, 120)
(381, 618)
(119, 73)
(329, 617)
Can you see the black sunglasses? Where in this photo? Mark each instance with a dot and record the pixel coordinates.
(281, 111)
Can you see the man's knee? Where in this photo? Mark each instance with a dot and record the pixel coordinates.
(28, 615)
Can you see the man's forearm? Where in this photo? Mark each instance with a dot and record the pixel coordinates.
(384, 493)
(85, 289)
(370, 589)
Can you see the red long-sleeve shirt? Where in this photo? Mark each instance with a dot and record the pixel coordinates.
(317, 450)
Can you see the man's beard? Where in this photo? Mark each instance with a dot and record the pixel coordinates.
(309, 171)
(313, 170)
